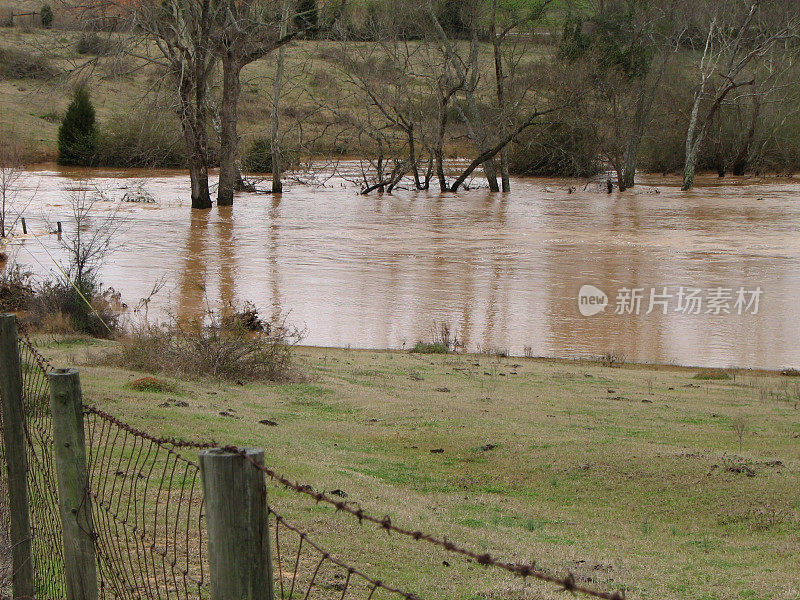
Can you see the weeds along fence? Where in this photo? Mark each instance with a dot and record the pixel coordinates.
(94, 508)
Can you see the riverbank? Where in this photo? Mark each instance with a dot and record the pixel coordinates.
(630, 477)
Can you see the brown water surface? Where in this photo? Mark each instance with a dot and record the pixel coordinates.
(503, 271)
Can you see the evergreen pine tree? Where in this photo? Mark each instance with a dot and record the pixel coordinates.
(46, 14)
(77, 136)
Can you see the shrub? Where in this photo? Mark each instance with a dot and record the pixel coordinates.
(93, 311)
(612, 359)
(19, 64)
(151, 384)
(141, 140)
(429, 348)
(258, 158)
(712, 375)
(93, 44)
(212, 347)
(556, 150)
(16, 289)
(443, 340)
(46, 14)
(246, 317)
(77, 136)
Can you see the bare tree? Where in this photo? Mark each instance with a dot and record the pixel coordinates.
(738, 36)
(244, 32)
(92, 237)
(11, 175)
(277, 87)
(175, 35)
(505, 23)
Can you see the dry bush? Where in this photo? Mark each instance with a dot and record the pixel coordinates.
(443, 340)
(219, 346)
(16, 288)
(20, 64)
(95, 45)
(612, 359)
(557, 149)
(58, 307)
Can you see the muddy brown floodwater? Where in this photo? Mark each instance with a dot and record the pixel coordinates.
(504, 271)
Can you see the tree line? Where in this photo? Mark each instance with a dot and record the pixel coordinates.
(496, 76)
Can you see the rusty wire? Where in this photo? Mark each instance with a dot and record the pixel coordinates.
(147, 508)
(306, 573)
(46, 543)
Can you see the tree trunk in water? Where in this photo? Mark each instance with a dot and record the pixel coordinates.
(439, 148)
(194, 133)
(277, 185)
(229, 176)
(629, 166)
(500, 87)
(412, 157)
(505, 180)
(740, 162)
(198, 174)
(490, 171)
(692, 147)
(688, 169)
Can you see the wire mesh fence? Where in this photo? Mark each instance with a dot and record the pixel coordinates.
(5, 534)
(149, 530)
(147, 509)
(46, 543)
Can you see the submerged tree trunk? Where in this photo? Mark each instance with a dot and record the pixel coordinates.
(229, 176)
(277, 185)
(693, 141)
(629, 164)
(741, 160)
(505, 180)
(193, 124)
(689, 165)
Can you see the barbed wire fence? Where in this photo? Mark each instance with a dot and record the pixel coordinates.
(149, 527)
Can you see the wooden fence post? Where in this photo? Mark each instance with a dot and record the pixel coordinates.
(16, 458)
(239, 553)
(69, 446)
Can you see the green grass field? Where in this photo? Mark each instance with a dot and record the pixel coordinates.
(629, 477)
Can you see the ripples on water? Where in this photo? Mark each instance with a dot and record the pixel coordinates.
(503, 270)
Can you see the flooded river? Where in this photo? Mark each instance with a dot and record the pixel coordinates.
(710, 277)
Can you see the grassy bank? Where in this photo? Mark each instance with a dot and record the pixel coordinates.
(630, 477)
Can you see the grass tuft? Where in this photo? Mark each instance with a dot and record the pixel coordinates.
(712, 375)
